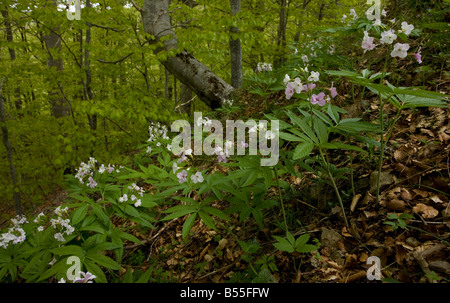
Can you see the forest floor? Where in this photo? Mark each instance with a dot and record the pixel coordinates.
(415, 180)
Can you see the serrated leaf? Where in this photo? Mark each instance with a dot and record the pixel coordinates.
(302, 150)
(283, 245)
(104, 261)
(96, 271)
(187, 226)
(72, 250)
(207, 220)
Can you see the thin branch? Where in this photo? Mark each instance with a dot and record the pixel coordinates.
(105, 27)
(114, 62)
(136, 6)
(119, 127)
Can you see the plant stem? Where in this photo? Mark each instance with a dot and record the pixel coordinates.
(335, 188)
(381, 114)
(351, 175)
(281, 198)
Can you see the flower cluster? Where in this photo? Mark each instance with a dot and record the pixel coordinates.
(63, 225)
(156, 131)
(15, 234)
(135, 190)
(263, 67)
(400, 50)
(182, 175)
(296, 86)
(87, 278)
(87, 170)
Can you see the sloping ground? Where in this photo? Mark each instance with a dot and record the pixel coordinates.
(415, 248)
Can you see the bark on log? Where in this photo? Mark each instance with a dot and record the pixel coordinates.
(210, 88)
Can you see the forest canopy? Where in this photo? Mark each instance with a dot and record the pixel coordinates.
(355, 96)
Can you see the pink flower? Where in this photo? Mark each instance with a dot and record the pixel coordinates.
(289, 91)
(318, 99)
(91, 183)
(333, 91)
(182, 176)
(309, 87)
(367, 43)
(110, 168)
(182, 158)
(418, 56)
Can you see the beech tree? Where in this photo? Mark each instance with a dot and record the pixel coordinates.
(209, 87)
(235, 49)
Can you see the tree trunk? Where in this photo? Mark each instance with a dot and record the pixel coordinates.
(281, 40)
(9, 155)
(210, 88)
(52, 43)
(184, 103)
(89, 94)
(235, 49)
(12, 54)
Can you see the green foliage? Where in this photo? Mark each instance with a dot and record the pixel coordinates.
(399, 220)
(290, 244)
(108, 207)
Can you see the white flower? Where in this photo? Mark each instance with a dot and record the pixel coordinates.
(228, 144)
(62, 281)
(286, 79)
(305, 58)
(407, 28)
(102, 169)
(138, 203)
(388, 37)
(297, 85)
(59, 212)
(343, 18)
(59, 237)
(217, 149)
(400, 50)
(188, 152)
(36, 220)
(124, 198)
(158, 144)
(149, 150)
(174, 167)
(40, 228)
(353, 13)
(253, 129)
(269, 135)
(314, 77)
(197, 177)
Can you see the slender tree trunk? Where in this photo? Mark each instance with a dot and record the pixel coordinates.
(52, 43)
(12, 54)
(210, 88)
(281, 40)
(184, 104)
(235, 49)
(9, 155)
(166, 84)
(89, 94)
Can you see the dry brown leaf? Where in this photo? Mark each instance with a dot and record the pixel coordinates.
(355, 201)
(427, 211)
(436, 199)
(396, 204)
(406, 195)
